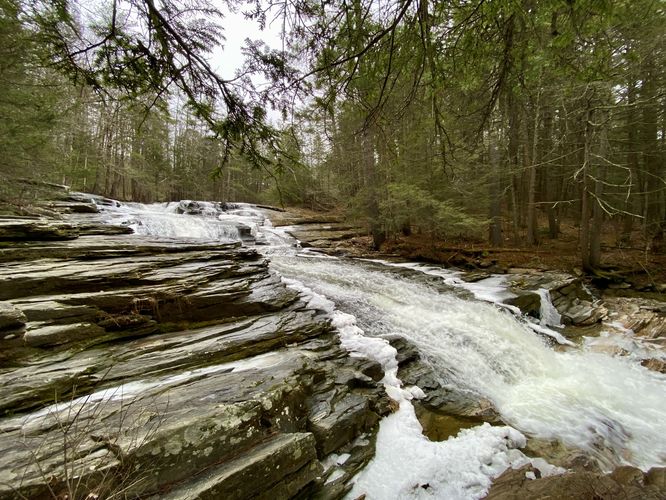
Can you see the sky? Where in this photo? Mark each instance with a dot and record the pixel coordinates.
(237, 29)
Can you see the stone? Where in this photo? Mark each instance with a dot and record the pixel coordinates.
(528, 302)
(189, 208)
(44, 310)
(656, 477)
(566, 456)
(624, 483)
(53, 335)
(656, 365)
(644, 316)
(178, 368)
(441, 426)
(628, 475)
(77, 207)
(336, 425)
(11, 317)
(88, 228)
(473, 277)
(440, 400)
(16, 229)
(91, 198)
(583, 313)
(278, 468)
(407, 352)
(323, 235)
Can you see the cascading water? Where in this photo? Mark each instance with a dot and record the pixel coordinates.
(164, 220)
(611, 406)
(547, 312)
(583, 398)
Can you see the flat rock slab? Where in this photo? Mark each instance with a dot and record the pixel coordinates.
(169, 367)
(11, 317)
(36, 230)
(257, 474)
(323, 235)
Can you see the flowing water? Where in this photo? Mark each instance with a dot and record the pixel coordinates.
(610, 406)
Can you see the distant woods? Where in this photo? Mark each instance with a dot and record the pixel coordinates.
(499, 121)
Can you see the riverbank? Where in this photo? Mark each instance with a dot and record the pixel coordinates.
(601, 337)
(625, 269)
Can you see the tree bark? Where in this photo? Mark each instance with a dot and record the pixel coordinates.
(495, 229)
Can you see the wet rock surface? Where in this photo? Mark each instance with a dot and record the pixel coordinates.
(623, 483)
(171, 369)
(443, 411)
(571, 297)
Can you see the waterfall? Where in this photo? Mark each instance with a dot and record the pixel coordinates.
(583, 398)
(610, 406)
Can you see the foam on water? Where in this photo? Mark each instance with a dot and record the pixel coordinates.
(214, 222)
(611, 406)
(406, 464)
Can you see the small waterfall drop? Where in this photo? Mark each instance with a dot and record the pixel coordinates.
(189, 220)
(549, 316)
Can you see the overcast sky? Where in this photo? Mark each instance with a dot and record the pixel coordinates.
(236, 30)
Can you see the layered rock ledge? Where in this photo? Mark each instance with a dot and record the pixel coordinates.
(170, 369)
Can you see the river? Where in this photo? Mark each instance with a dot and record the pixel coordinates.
(609, 406)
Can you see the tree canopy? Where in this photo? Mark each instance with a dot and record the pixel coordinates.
(458, 119)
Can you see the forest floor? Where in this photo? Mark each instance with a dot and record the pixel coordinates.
(632, 265)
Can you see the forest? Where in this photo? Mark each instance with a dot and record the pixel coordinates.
(500, 122)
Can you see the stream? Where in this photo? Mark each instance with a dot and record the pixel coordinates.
(609, 406)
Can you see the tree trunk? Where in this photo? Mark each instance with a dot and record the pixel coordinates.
(584, 200)
(495, 185)
(531, 199)
(530, 164)
(597, 210)
(632, 164)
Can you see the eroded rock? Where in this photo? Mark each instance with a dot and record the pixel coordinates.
(439, 401)
(623, 483)
(11, 317)
(569, 295)
(177, 368)
(16, 229)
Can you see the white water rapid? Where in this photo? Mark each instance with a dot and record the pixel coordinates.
(610, 406)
